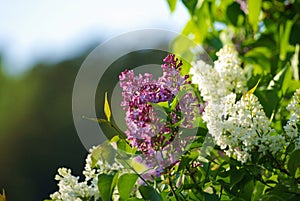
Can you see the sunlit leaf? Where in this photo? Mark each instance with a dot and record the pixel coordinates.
(124, 146)
(284, 32)
(115, 139)
(258, 190)
(295, 63)
(106, 185)
(107, 108)
(278, 79)
(260, 58)
(183, 47)
(251, 91)
(174, 103)
(138, 166)
(2, 196)
(254, 8)
(195, 32)
(125, 184)
(164, 104)
(172, 5)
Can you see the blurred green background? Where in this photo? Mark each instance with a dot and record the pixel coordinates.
(42, 46)
(37, 132)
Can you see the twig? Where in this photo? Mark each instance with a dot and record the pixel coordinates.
(171, 186)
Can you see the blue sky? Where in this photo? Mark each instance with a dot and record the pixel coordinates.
(34, 30)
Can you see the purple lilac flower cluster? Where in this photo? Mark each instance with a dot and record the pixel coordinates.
(157, 138)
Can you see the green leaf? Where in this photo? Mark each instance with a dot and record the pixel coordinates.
(235, 175)
(190, 5)
(264, 97)
(2, 196)
(184, 161)
(259, 57)
(211, 197)
(294, 198)
(172, 5)
(278, 79)
(294, 162)
(194, 32)
(257, 191)
(125, 185)
(165, 196)
(183, 47)
(295, 62)
(109, 127)
(124, 146)
(138, 166)
(271, 197)
(107, 108)
(134, 199)
(149, 193)
(294, 35)
(254, 8)
(251, 91)
(174, 103)
(101, 121)
(284, 32)
(164, 104)
(247, 190)
(279, 192)
(290, 148)
(106, 185)
(233, 12)
(104, 152)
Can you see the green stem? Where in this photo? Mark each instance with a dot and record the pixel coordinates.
(193, 178)
(117, 130)
(171, 186)
(207, 171)
(221, 192)
(278, 165)
(137, 173)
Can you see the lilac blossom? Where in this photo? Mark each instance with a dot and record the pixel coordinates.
(158, 138)
(243, 5)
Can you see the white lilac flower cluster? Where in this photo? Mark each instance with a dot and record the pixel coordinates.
(225, 77)
(239, 127)
(291, 128)
(71, 189)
